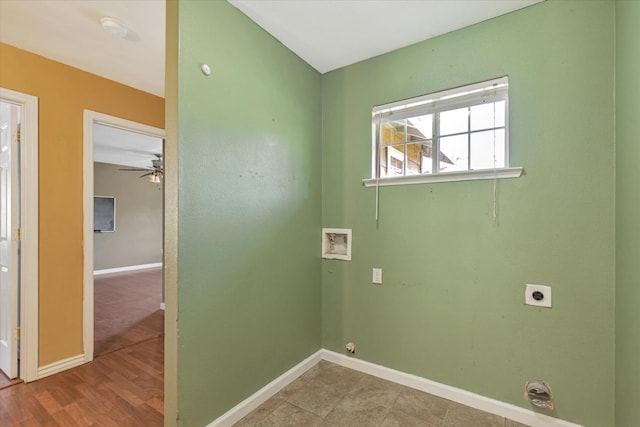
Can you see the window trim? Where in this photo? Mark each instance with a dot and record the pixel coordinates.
(492, 90)
(472, 175)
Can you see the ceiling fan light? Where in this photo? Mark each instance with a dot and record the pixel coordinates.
(155, 178)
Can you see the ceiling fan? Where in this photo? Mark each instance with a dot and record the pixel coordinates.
(155, 172)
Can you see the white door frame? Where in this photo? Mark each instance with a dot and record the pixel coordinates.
(91, 118)
(28, 230)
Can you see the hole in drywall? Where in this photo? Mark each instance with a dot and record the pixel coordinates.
(539, 394)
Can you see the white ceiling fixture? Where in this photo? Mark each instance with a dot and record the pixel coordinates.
(114, 26)
(330, 34)
(71, 32)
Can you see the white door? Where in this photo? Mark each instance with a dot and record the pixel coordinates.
(9, 223)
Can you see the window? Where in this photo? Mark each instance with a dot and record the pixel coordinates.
(456, 134)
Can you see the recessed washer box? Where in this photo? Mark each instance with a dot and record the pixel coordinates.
(336, 243)
(537, 295)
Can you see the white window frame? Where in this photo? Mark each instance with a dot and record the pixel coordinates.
(493, 90)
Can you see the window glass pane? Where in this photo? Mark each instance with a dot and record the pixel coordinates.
(414, 134)
(422, 125)
(483, 117)
(419, 159)
(391, 161)
(454, 155)
(454, 121)
(393, 132)
(471, 133)
(482, 149)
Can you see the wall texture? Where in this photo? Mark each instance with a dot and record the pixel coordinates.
(138, 236)
(451, 308)
(249, 195)
(64, 92)
(627, 213)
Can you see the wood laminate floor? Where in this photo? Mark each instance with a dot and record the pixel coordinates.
(6, 382)
(127, 309)
(122, 388)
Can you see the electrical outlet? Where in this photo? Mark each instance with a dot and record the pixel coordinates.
(377, 276)
(538, 295)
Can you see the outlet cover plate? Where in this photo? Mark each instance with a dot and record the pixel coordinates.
(537, 295)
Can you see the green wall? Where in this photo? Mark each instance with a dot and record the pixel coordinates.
(627, 212)
(269, 151)
(249, 210)
(451, 308)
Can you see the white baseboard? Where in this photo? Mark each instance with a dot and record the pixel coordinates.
(127, 268)
(59, 366)
(458, 395)
(464, 397)
(245, 407)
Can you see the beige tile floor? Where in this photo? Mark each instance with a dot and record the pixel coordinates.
(330, 395)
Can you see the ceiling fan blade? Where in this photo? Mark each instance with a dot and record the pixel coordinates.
(135, 170)
(147, 174)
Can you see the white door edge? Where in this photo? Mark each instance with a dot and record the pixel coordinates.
(29, 232)
(90, 118)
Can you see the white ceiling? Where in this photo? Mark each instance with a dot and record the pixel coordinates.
(69, 31)
(124, 147)
(329, 34)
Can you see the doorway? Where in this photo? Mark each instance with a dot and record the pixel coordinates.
(19, 235)
(110, 228)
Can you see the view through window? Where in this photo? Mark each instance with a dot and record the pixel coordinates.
(457, 130)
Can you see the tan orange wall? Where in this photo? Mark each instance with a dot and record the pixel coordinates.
(64, 93)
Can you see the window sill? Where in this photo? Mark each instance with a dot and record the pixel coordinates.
(445, 177)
